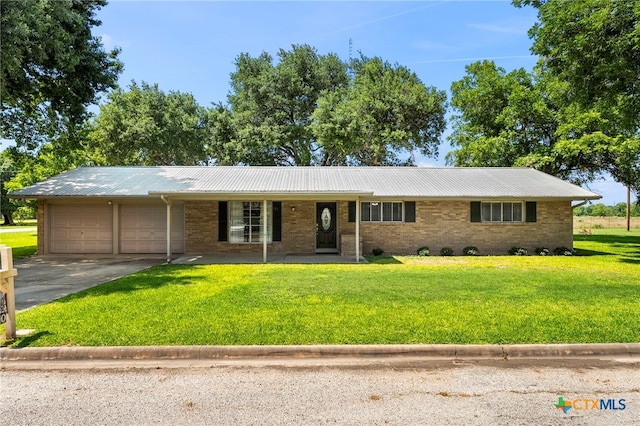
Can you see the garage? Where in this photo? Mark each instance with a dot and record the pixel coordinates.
(143, 228)
(80, 228)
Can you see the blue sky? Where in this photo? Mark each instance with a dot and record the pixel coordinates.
(191, 46)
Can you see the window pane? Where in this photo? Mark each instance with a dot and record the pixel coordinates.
(245, 220)
(517, 212)
(387, 212)
(397, 212)
(257, 235)
(496, 210)
(506, 212)
(236, 220)
(375, 212)
(365, 213)
(486, 212)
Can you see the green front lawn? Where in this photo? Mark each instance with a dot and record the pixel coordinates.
(534, 299)
(23, 244)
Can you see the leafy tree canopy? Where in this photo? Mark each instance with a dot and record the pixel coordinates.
(146, 126)
(386, 111)
(270, 106)
(593, 45)
(51, 67)
(522, 119)
(307, 110)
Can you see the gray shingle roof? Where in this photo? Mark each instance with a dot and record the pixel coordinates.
(407, 182)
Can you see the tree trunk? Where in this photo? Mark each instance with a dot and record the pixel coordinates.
(8, 219)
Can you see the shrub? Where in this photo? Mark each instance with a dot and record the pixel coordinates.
(446, 251)
(542, 251)
(562, 251)
(518, 251)
(423, 251)
(377, 251)
(470, 251)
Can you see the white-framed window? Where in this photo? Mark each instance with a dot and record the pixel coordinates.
(246, 222)
(381, 211)
(502, 212)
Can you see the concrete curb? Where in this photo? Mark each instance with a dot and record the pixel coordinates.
(78, 353)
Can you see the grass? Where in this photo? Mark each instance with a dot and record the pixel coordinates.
(23, 244)
(555, 299)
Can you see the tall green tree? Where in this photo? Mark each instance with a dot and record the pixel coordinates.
(383, 118)
(594, 46)
(146, 126)
(306, 109)
(7, 171)
(529, 120)
(51, 67)
(271, 105)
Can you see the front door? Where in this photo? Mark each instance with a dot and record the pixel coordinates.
(326, 229)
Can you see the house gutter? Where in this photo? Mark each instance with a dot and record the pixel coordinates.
(579, 204)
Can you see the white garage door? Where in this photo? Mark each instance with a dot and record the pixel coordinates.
(143, 228)
(77, 228)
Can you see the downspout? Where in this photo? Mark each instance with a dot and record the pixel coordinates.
(580, 204)
(168, 203)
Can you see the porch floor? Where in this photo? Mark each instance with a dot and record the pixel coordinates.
(235, 258)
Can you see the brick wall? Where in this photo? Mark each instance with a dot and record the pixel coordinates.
(438, 224)
(201, 230)
(447, 224)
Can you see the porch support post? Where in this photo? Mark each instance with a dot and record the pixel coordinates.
(168, 203)
(264, 231)
(358, 230)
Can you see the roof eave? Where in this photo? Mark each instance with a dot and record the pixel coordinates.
(271, 195)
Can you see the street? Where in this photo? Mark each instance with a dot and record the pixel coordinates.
(408, 392)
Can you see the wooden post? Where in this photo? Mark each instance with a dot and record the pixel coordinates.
(7, 287)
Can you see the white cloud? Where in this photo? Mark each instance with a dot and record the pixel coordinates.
(110, 42)
(514, 26)
(107, 41)
(498, 28)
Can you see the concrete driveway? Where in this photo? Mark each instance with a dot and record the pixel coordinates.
(42, 279)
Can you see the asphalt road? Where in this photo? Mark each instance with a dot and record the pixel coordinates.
(433, 392)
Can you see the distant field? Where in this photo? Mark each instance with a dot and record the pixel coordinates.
(590, 222)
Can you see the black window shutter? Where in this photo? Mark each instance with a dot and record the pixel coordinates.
(476, 211)
(532, 215)
(352, 211)
(222, 221)
(277, 220)
(409, 211)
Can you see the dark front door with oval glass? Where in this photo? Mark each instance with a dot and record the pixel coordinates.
(326, 229)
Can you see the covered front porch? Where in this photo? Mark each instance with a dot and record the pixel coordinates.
(275, 228)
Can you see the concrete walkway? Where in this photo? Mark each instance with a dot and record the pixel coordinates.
(9, 230)
(242, 258)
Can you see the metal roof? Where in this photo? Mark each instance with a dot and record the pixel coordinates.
(401, 182)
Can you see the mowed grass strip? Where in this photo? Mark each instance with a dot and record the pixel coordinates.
(23, 244)
(463, 300)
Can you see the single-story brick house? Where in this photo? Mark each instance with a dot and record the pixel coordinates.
(119, 210)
